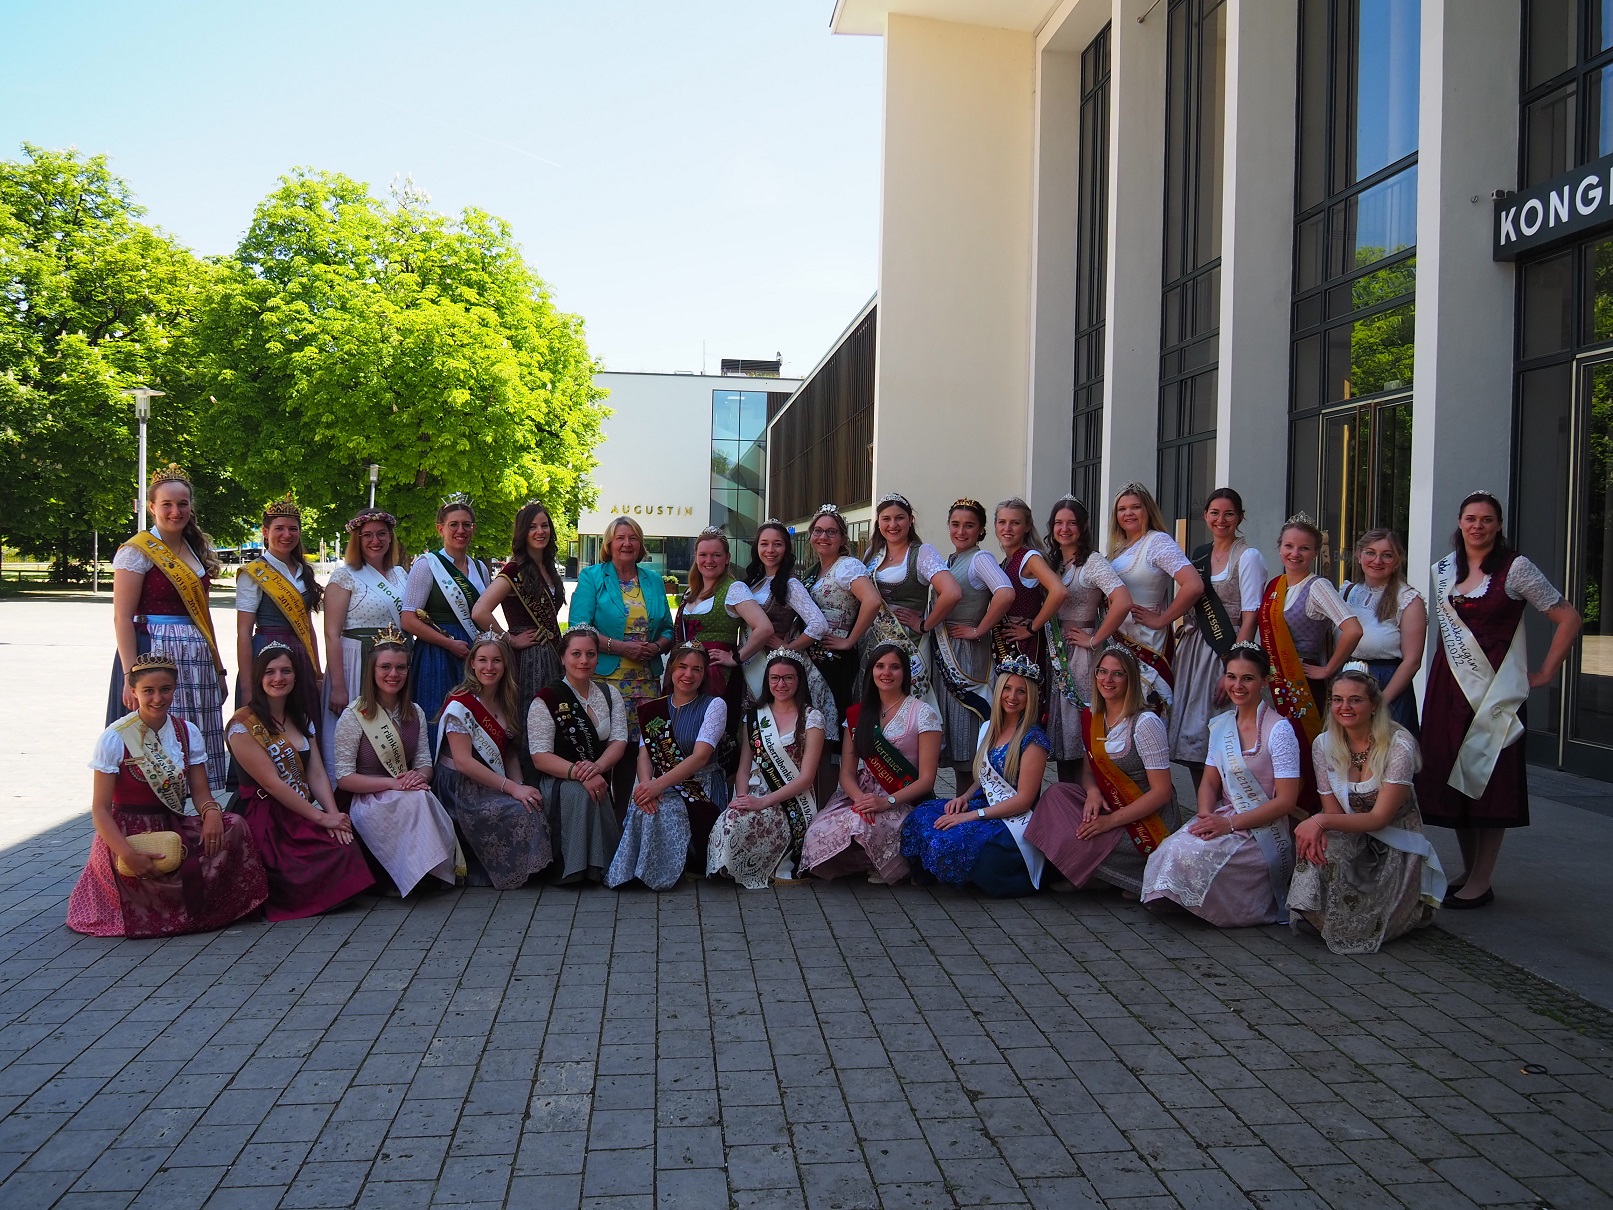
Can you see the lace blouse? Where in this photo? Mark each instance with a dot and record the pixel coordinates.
(370, 608)
(132, 558)
(610, 720)
(417, 588)
(1283, 748)
(986, 573)
(1525, 582)
(1322, 603)
(817, 626)
(1399, 771)
(350, 729)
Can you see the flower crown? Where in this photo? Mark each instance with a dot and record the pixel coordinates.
(150, 660)
(1021, 665)
(391, 636)
(172, 473)
(283, 507)
(785, 653)
(368, 515)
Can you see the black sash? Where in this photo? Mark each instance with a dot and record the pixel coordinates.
(1209, 612)
(574, 736)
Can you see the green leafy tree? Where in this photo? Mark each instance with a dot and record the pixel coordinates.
(92, 301)
(347, 331)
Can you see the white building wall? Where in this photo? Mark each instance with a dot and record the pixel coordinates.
(954, 274)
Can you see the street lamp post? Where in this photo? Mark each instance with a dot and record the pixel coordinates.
(142, 412)
(375, 474)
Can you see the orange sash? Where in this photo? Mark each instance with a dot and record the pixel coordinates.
(1117, 788)
(1290, 687)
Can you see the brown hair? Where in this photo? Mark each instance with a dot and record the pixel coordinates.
(1389, 602)
(698, 588)
(678, 655)
(192, 534)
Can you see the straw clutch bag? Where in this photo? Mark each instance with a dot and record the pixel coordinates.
(167, 847)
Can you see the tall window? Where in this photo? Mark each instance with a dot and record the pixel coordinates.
(1091, 273)
(1567, 86)
(1355, 268)
(1195, 110)
(738, 465)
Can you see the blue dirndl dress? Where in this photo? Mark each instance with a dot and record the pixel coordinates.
(980, 852)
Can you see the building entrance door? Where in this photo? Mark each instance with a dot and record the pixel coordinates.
(1587, 688)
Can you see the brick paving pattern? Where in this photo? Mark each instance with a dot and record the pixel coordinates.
(838, 1046)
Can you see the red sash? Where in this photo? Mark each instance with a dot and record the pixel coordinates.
(1117, 788)
(484, 718)
(1160, 662)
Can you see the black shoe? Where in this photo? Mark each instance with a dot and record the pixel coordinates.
(1459, 904)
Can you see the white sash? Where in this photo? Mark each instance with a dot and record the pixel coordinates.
(451, 591)
(1495, 694)
(768, 735)
(381, 585)
(997, 788)
(1245, 793)
(480, 740)
(386, 741)
(166, 779)
(1431, 886)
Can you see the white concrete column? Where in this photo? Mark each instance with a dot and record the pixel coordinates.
(1467, 147)
(1136, 248)
(954, 271)
(1257, 239)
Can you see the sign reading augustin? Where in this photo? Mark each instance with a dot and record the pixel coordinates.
(1554, 210)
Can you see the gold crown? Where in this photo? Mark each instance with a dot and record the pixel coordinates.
(391, 636)
(283, 507)
(967, 502)
(172, 473)
(149, 660)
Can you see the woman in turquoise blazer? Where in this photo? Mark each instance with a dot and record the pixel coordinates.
(627, 605)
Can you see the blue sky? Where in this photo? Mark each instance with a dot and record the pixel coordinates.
(677, 172)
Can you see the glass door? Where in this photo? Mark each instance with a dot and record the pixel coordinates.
(1589, 684)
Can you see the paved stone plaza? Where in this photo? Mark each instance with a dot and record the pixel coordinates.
(822, 1046)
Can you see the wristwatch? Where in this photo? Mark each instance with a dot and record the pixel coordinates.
(980, 812)
(890, 800)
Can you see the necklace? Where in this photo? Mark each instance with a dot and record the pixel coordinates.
(1358, 760)
(887, 712)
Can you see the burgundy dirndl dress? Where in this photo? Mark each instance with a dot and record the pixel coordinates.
(310, 871)
(203, 894)
(1493, 618)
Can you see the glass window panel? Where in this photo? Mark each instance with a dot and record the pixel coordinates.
(1340, 301)
(1598, 279)
(1601, 26)
(1176, 142)
(1545, 398)
(1336, 381)
(1203, 416)
(1553, 47)
(1200, 354)
(1313, 27)
(724, 458)
(1309, 270)
(1548, 132)
(1308, 312)
(1211, 135)
(1392, 505)
(1304, 459)
(1346, 435)
(1381, 351)
(1382, 220)
(1593, 696)
(725, 415)
(1386, 85)
(1599, 114)
(1374, 288)
(752, 414)
(1307, 373)
(1548, 306)
(1172, 317)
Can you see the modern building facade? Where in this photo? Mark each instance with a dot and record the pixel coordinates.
(681, 452)
(1267, 243)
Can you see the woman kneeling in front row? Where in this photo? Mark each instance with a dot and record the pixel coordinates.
(887, 767)
(145, 765)
(1124, 806)
(677, 775)
(979, 837)
(383, 759)
(1367, 873)
(1231, 866)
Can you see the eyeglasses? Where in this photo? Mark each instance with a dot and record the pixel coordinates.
(1356, 702)
(819, 531)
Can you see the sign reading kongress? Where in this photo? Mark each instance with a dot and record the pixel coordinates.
(1554, 210)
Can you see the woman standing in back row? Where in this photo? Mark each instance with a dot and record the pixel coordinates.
(905, 569)
(363, 598)
(1150, 563)
(276, 596)
(438, 597)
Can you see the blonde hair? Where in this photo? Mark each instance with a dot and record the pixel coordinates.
(354, 555)
(1383, 730)
(369, 699)
(1136, 700)
(610, 536)
(1033, 540)
(1156, 519)
(1389, 602)
(506, 695)
(1016, 739)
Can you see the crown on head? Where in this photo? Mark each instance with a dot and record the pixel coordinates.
(486, 636)
(1021, 665)
(1133, 488)
(283, 507)
(391, 636)
(1067, 498)
(689, 645)
(711, 531)
(1477, 491)
(172, 473)
(455, 498)
(832, 510)
(149, 660)
(967, 502)
(1301, 518)
(893, 498)
(785, 653)
(1357, 667)
(274, 647)
(368, 515)
(1246, 645)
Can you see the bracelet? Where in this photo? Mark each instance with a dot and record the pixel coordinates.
(571, 770)
(211, 806)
